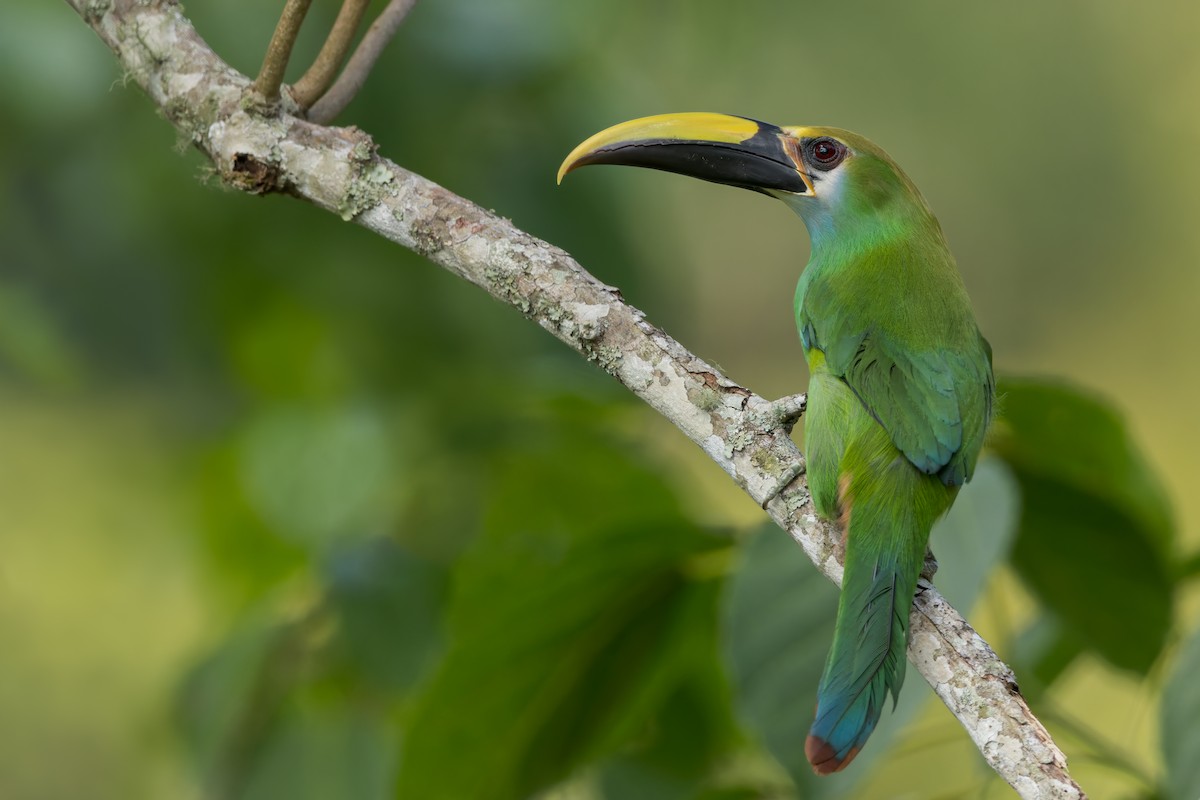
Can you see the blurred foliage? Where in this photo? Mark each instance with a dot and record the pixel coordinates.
(568, 633)
(1089, 502)
(1180, 731)
(287, 512)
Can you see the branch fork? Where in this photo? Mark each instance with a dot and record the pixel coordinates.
(316, 92)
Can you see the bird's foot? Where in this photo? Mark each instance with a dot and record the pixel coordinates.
(930, 567)
(794, 471)
(770, 417)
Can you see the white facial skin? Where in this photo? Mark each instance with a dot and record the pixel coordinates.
(828, 185)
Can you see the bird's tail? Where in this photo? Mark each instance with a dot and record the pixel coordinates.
(889, 516)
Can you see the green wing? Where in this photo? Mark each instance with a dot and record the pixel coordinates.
(935, 404)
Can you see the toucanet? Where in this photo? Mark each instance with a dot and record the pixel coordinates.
(901, 389)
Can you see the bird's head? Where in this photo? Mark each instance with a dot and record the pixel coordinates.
(833, 178)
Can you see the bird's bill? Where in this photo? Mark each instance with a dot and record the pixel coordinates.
(735, 151)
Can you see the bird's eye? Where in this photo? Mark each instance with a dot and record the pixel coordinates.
(826, 153)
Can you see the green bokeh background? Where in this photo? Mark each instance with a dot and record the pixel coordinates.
(212, 405)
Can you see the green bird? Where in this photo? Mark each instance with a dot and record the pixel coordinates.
(901, 390)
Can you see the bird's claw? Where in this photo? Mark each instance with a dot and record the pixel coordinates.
(930, 567)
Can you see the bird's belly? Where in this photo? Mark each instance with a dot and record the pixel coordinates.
(833, 416)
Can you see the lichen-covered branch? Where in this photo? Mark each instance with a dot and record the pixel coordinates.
(339, 170)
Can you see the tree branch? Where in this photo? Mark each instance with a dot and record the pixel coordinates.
(320, 75)
(338, 170)
(279, 51)
(361, 62)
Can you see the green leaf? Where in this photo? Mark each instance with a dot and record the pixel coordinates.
(1180, 731)
(323, 750)
(1042, 652)
(313, 689)
(976, 534)
(1069, 435)
(567, 629)
(969, 542)
(779, 618)
(388, 606)
(692, 731)
(1096, 530)
(230, 701)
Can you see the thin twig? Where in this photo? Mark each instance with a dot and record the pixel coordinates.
(336, 169)
(279, 51)
(324, 69)
(361, 63)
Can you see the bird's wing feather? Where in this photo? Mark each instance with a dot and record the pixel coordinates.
(930, 401)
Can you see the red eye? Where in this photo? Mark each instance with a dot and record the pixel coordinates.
(826, 153)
